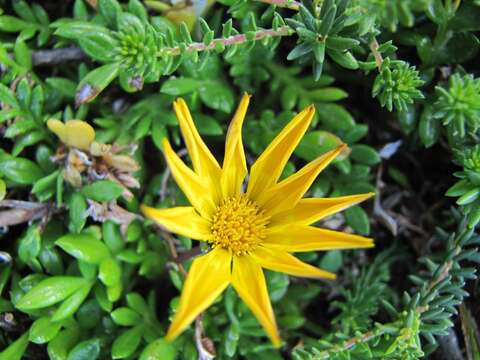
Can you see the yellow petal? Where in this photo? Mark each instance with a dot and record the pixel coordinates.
(204, 163)
(74, 133)
(308, 211)
(281, 261)
(182, 220)
(249, 282)
(286, 194)
(269, 166)
(297, 238)
(208, 276)
(195, 188)
(234, 167)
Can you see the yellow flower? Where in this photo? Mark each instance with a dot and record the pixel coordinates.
(251, 230)
(73, 133)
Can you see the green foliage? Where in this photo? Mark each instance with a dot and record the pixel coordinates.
(458, 105)
(396, 85)
(84, 276)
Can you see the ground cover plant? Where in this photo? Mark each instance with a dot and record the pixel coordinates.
(239, 179)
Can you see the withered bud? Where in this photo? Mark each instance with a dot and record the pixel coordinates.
(72, 176)
(99, 149)
(121, 162)
(128, 180)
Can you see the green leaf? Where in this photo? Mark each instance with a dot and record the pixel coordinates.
(428, 128)
(328, 94)
(7, 96)
(159, 133)
(76, 29)
(59, 347)
(109, 9)
(26, 140)
(357, 218)
(110, 272)
(341, 43)
(469, 197)
(125, 317)
(365, 154)
(102, 190)
(12, 24)
(126, 344)
(300, 50)
(21, 171)
(345, 59)
(136, 8)
(71, 304)
(15, 350)
(217, 95)
(84, 247)
(77, 212)
(112, 236)
(64, 86)
(180, 86)
(231, 340)
(43, 330)
(335, 117)
(316, 143)
(45, 183)
(99, 45)
(50, 291)
(136, 302)
(332, 261)
(94, 82)
(30, 244)
(86, 350)
(23, 55)
(460, 188)
(437, 12)
(159, 349)
(207, 125)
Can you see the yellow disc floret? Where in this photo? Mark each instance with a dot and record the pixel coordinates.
(238, 224)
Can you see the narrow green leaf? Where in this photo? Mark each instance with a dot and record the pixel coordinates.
(43, 330)
(126, 344)
(71, 304)
(102, 190)
(84, 247)
(50, 291)
(159, 349)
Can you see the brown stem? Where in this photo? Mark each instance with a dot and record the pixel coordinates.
(232, 40)
(57, 56)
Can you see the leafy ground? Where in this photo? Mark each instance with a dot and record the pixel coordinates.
(84, 275)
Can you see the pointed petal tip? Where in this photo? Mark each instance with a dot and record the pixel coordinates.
(277, 342)
(172, 334)
(332, 277)
(365, 196)
(367, 243)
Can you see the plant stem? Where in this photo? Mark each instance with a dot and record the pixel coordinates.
(288, 4)
(373, 45)
(348, 344)
(57, 56)
(232, 40)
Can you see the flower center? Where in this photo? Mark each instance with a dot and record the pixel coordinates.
(238, 224)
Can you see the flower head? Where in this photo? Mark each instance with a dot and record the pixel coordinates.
(250, 230)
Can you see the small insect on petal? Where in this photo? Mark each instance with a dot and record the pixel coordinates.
(74, 133)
